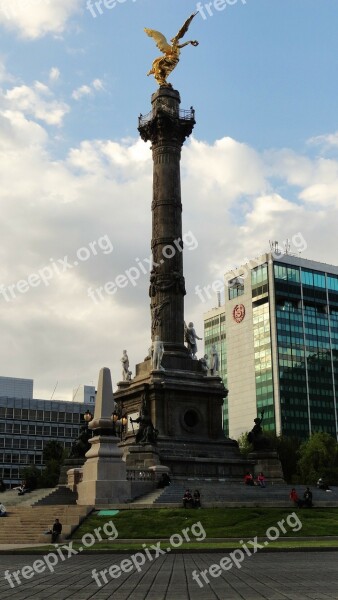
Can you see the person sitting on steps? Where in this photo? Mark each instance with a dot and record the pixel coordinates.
(188, 501)
(197, 499)
(307, 498)
(56, 531)
(248, 479)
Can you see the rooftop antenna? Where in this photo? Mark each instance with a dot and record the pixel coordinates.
(54, 390)
(219, 299)
(287, 247)
(274, 246)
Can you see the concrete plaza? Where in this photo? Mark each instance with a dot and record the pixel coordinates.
(275, 576)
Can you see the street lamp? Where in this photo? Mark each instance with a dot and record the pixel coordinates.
(119, 418)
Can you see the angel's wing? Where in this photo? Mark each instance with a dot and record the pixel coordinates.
(161, 41)
(184, 29)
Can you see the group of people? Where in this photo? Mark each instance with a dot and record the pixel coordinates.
(305, 502)
(191, 500)
(250, 480)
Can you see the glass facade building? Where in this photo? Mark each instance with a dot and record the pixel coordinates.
(214, 333)
(307, 332)
(280, 339)
(27, 425)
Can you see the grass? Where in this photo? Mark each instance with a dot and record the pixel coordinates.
(240, 523)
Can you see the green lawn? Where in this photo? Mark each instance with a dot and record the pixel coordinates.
(240, 523)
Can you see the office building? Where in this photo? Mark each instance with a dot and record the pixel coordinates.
(214, 334)
(84, 393)
(281, 346)
(27, 425)
(13, 387)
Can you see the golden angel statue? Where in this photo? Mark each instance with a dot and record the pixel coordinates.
(164, 65)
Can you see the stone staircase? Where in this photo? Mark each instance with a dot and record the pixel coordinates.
(11, 497)
(61, 495)
(149, 498)
(26, 524)
(222, 493)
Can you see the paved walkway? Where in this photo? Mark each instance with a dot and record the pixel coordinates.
(291, 576)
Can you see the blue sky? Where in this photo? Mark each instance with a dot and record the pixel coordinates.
(262, 163)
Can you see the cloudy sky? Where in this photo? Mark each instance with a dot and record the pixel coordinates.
(75, 178)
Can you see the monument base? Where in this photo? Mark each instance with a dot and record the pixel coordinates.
(185, 406)
(69, 463)
(142, 457)
(104, 478)
(268, 462)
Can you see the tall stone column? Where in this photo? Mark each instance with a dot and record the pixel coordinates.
(167, 127)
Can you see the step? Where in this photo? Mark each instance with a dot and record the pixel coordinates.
(27, 525)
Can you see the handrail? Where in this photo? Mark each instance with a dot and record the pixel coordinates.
(184, 115)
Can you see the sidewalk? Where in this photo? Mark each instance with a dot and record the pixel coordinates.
(291, 576)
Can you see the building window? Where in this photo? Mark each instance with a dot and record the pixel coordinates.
(259, 275)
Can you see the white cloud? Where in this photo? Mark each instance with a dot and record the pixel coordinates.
(54, 74)
(84, 90)
(329, 140)
(88, 90)
(36, 18)
(98, 84)
(36, 101)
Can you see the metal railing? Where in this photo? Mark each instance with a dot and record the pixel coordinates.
(184, 115)
(140, 475)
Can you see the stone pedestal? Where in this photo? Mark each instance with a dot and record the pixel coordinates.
(186, 408)
(69, 463)
(142, 457)
(74, 477)
(104, 478)
(268, 462)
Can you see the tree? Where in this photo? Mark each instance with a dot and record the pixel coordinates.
(244, 445)
(49, 477)
(53, 451)
(31, 476)
(318, 458)
(288, 452)
(53, 456)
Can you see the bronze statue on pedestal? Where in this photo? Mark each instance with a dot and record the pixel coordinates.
(164, 65)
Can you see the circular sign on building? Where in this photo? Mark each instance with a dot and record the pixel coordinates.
(239, 313)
